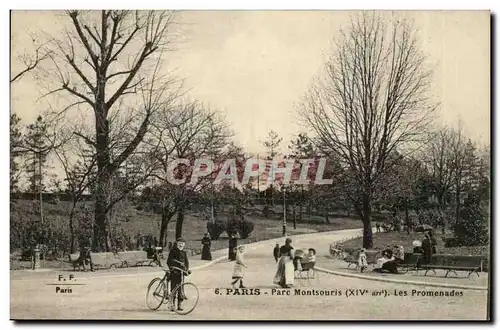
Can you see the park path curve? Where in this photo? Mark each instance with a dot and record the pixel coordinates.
(122, 297)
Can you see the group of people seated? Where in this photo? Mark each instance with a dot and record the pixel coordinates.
(389, 261)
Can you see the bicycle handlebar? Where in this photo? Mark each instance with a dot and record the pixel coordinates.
(176, 268)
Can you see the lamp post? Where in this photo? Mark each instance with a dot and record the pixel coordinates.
(284, 211)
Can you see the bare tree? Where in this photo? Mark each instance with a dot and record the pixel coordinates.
(373, 101)
(79, 176)
(272, 145)
(110, 62)
(31, 62)
(439, 159)
(189, 130)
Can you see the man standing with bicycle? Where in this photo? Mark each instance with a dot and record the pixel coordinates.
(178, 258)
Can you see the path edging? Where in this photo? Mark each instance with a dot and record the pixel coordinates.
(253, 245)
(387, 280)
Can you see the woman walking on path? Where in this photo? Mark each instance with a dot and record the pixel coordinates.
(284, 274)
(206, 254)
(238, 267)
(233, 243)
(427, 249)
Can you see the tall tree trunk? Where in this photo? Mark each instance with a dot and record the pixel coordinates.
(367, 222)
(300, 212)
(71, 228)
(294, 218)
(180, 222)
(165, 219)
(407, 219)
(100, 240)
(457, 202)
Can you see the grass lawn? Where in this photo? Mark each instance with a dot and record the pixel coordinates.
(381, 240)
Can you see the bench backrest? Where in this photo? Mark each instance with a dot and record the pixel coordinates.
(105, 258)
(133, 255)
(411, 258)
(372, 256)
(73, 256)
(454, 260)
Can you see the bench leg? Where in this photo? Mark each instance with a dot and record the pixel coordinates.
(473, 271)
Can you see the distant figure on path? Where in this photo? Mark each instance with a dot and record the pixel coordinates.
(427, 249)
(285, 272)
(378, 227)
(433, 243)
(85, 258)
(238, 267)
(362, 262)
(399, 253)
(178, 258)
(276, 252)
(417, 247)
(206, 254)
(233, 243)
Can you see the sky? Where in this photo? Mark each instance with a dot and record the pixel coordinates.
(254, 66)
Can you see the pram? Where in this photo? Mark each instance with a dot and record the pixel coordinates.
(305, 273)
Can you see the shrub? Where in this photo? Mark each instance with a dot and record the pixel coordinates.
(245, 228)
(216, 229)
(450, 242)
(232, 227)
(472, 226)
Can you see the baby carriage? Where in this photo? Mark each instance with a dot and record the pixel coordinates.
(305, 273)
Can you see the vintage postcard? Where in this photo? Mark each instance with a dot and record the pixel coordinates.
(250, 165)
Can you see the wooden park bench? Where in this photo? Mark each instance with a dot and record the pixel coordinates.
(371, 258)
(74, 261)
(99, 260)
(136, 258)
(107, 260)
(451, 264)
(410, 261)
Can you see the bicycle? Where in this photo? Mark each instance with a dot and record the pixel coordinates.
(159, 291)
(336, 252)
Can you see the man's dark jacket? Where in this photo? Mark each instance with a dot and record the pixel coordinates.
(176, 254)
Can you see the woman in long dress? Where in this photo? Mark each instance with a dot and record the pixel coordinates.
(284, 274)
(238, 267)
(233, 243)
(206, 254)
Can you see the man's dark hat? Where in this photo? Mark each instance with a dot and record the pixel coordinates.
(180, 239)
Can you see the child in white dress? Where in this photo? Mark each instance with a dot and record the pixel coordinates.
(238, 267)
(362, 262)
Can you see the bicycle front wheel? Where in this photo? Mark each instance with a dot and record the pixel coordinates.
(190, 296)
(155, 294)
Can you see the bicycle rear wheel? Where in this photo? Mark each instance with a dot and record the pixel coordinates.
(155, 294)
(191, 297)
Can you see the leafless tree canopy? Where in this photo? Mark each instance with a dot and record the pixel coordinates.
(189, 130)
(375, 95)
(110, 62)
(373, 101)
(31, 61)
